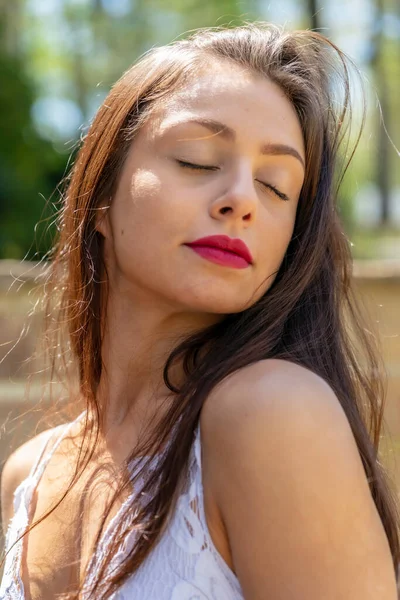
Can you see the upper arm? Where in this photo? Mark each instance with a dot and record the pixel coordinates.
(16, 468)
(289, 482)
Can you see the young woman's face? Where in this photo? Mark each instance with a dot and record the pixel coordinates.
(244, 140)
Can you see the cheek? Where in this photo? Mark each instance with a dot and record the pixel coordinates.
(278, 230)
(141, 209)
(133, 217)
(276, 234)
(143, 197)
(148, 220)
(155, 203)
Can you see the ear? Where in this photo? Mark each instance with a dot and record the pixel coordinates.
(102, 224)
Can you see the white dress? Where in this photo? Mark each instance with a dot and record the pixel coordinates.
(184, 565)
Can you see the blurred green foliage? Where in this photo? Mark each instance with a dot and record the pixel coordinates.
(28, 163)
(58, 59)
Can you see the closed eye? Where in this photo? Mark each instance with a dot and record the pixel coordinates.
(189, 165)
(277, 192)
(195, 167)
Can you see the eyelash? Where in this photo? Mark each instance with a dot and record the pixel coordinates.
(193, 166)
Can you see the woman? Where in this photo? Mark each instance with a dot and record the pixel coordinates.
(224, 407)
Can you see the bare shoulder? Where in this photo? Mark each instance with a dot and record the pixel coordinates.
(266, 390)
(270, 400)
(17, 468)
(286, 474)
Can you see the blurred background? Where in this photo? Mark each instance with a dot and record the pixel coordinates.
(58, 59)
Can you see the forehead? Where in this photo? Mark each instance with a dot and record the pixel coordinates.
(249, 103)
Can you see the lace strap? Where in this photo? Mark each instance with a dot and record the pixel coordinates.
(37, 463)
(22, 508)
(198, 491)
(197, 445)
(40, 463)
(41, 453)
(26, 488)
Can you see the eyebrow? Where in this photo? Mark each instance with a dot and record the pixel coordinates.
(229, 134)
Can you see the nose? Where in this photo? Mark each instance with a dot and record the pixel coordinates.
(238, 198)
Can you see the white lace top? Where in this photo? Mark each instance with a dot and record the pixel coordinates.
(184, 565)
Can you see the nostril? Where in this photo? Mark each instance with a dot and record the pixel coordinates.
(247, 217)
(225, 209)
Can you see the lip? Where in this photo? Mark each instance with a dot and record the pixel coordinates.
(225, 243)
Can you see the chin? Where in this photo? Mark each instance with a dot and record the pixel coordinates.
(221, 306)
(210, 297)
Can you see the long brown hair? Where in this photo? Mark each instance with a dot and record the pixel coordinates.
(308, 316)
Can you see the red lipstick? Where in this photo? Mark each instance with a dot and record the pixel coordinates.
(223, 250)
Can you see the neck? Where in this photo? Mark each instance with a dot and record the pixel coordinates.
(137, 340)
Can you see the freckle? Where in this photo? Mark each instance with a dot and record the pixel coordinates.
(122, 232)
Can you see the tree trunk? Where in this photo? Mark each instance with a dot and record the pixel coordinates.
(10, 26)
(313, 14)
(382, 160)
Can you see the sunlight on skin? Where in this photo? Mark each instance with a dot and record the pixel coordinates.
(170, 290)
